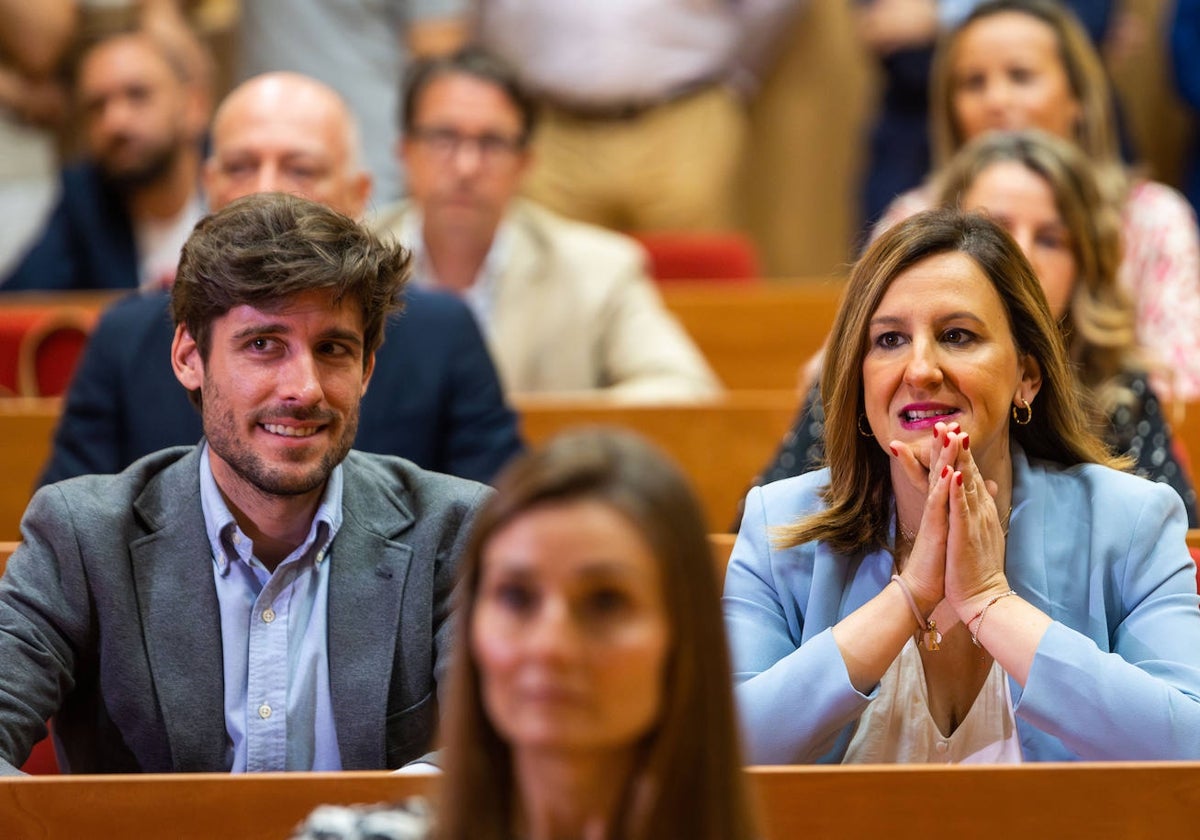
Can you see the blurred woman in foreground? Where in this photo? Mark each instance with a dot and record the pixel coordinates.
(592, 696)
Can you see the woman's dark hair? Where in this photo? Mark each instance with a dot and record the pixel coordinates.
(689, 779)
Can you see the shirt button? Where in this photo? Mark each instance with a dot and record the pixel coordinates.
(941, 746)
(268, 615)
(264, 711)
(320, 555)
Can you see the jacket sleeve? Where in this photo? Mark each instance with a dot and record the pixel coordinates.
(794, 699)
(646, 352)
(45, 617)
(52, 263)
(1140, 698)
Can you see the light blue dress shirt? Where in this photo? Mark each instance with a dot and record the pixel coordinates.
(274, 633)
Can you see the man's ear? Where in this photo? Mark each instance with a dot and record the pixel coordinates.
(360, 193)
(185, 359)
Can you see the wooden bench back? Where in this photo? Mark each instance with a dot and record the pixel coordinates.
(757, 336)
(720, 444)
(869, 802)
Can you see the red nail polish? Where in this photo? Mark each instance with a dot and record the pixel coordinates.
(958, 478)
(935, 431)
(946, 442)
(966, 442)
(945, 470)
(893, 450)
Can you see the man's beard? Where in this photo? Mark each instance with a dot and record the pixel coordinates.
(152, 168)
(221, 431)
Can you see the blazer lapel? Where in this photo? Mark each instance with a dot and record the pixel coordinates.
(521, 301)
(366, 588)
(172, 571)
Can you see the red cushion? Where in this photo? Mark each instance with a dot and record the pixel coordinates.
(40, 346)
(717, 255)
(42, 761)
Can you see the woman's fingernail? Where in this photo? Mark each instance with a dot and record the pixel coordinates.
(945, 470)
(966, 442)
(893, 450)
(946, 441)
(935, 431)
(958, 478)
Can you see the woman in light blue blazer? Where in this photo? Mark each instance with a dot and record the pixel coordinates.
(972, 579)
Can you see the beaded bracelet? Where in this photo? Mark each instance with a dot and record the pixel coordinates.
(982, 613)
(929, 635)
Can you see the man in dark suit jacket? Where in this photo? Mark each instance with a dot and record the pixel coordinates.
(268, 599)
(123, 212)
(436, 398)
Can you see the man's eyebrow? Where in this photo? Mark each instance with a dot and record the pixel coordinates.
(340, 334)
(280, 328)
(255, 330)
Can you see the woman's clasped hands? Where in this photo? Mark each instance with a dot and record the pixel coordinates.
(958, 543)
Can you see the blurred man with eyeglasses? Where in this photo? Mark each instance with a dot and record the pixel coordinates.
(435, 397)
(564, 306)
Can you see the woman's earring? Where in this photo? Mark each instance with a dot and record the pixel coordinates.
(1023, 419)
(865, 432)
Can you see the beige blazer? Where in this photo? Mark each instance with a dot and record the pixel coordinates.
(575, 310)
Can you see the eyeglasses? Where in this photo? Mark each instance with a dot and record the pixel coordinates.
(446, 143)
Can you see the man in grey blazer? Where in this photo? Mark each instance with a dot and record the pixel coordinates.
(265, 600)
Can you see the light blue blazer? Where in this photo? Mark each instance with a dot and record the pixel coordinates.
(1116, 676)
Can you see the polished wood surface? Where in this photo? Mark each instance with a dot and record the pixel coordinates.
(1117, 800)
(721, 444)
(26, 429)
(757, 336)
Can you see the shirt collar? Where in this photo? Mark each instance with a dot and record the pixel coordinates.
(229, 544)
(481, 295)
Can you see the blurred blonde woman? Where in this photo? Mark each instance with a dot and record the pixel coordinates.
(1017, 64)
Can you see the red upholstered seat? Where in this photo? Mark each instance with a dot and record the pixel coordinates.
(685, 255)
(42, 761)
(39, 348)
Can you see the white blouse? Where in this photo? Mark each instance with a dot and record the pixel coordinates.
(897, 727)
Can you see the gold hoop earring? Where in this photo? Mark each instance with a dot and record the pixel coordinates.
(1027, 416)
(867, 433)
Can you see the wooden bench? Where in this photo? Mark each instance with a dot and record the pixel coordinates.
(721, 443)
(869, 802)
(758, 335)
(26, 430)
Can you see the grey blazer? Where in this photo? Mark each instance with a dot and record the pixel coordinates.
(109, 620)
